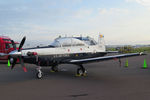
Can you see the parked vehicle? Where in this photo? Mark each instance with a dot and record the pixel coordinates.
(6, 46)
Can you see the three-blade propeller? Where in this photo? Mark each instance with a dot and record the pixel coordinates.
(13, 60)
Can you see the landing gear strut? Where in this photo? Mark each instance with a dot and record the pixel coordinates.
(39, 73)
(81, 71)
(54, 68)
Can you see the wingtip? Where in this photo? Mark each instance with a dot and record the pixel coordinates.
(142, 53)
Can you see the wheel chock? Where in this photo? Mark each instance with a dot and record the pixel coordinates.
(77, 75)
(84, 74)
(52, 71)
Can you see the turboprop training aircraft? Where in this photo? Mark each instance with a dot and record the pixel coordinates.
(64, 50)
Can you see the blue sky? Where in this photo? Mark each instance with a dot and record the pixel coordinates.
(121, 21)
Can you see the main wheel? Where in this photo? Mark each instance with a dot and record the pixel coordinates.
(39, 75)
(80, 72)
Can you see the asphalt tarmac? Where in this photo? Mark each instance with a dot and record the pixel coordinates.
(106, 80)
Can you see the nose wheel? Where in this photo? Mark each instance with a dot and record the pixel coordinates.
(81, 71)
(39, 73)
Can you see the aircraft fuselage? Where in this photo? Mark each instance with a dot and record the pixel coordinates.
(48, 56)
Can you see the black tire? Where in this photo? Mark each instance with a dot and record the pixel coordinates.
(80, 71)
(39, 75)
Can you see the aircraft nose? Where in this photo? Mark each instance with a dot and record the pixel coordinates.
(15, 53)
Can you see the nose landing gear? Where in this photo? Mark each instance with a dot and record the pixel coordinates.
(39, 73)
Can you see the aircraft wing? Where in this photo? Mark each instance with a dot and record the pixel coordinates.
(81, 61)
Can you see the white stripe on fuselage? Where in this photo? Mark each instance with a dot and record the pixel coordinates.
(65, 50)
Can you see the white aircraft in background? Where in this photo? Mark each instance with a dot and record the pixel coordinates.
(64, 50)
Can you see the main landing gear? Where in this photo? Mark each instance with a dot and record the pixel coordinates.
(54, 68)
(81, 71)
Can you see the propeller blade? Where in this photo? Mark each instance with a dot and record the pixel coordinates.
(21, 44)
(14, 63)
(22, 64)
(24, 69)
(14, 45)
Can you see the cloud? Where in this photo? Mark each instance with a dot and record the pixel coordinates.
(82, 13)
(142, 2)
(47, 19)
(113, 11)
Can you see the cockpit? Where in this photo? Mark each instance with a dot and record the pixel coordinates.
(73, 41)
(87, 40)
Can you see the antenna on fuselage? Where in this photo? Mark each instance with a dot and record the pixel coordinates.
(101, 39)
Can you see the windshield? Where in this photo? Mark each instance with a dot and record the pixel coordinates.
(67, 42)
(88, 40)
(7, 46)
(7, 40)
